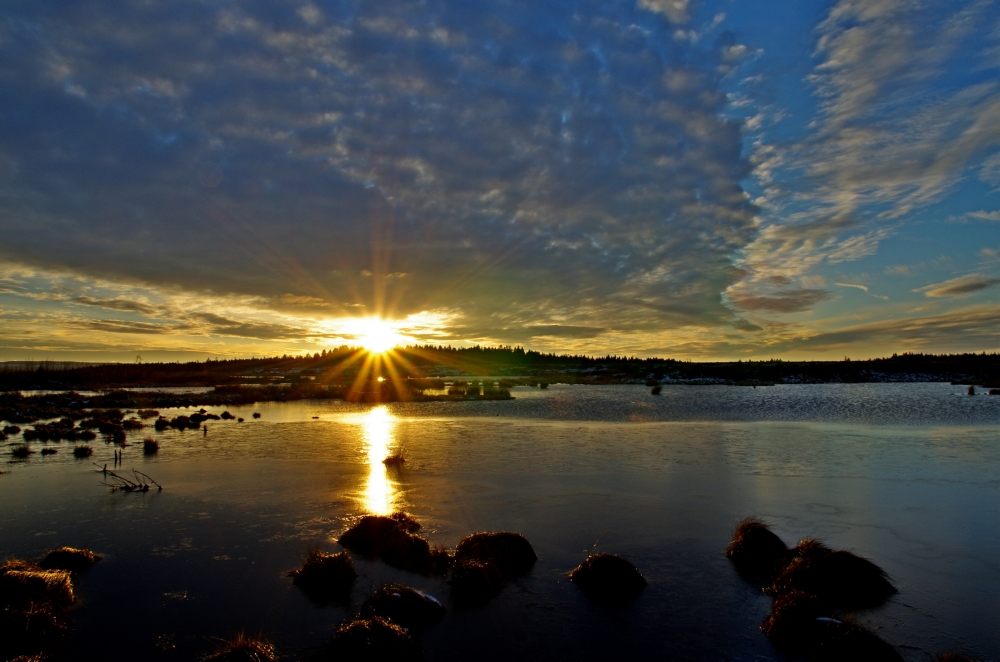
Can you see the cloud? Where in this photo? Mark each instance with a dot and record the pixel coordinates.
(783, 301)
(864, 289)
(390, 157)
(678, 11)
(899, 126)
(983, 215)
(125, 305)
(959, 286)
(119, 326)
(226, 326)
(957, 330)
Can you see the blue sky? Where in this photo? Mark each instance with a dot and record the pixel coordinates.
(702, 180)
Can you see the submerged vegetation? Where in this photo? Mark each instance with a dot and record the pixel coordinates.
(245, 648)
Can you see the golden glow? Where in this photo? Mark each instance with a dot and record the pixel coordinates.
(380, 494)
(374, 334)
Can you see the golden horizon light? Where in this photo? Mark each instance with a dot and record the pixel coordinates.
(375, 334)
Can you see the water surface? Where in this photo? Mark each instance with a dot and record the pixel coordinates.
(905, 474)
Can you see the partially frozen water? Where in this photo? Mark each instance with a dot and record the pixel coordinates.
(907, 475)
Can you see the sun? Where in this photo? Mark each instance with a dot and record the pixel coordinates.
(375, 334)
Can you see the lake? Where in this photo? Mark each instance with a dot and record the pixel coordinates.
(907, 475)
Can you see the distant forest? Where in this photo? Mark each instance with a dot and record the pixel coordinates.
(343, 364)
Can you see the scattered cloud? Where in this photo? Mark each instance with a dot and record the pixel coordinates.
(116, 304)
(678, 11)
(783, 301)
(959, 286)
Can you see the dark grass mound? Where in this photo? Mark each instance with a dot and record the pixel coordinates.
(758, 554)
(839, 578)
(325, 577)
(390, 540)
(245, 648)
(371, 639)
(21, 451)
(49, 451)
(83, 451)
(394, 461)
(150, 446)
(406, 521)
(810, 547)
(33, 607)
(510, 552)
(608, 578)
(404, 606)
(474, 583)
(802, 624)
(69, 559)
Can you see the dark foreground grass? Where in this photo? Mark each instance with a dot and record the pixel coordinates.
(371, 639)
(388, 538)
(608, 578)
(758, 554)
(325, 577)
(404, 606)
(245, 648)
(69, 559)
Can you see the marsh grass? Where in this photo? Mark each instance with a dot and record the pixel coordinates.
(608, 578)
(405, 606)
(371, 639)
(245, 648)
(325, 577)
(392, 540)
(510, 552)
(69, 559)
(758, 554)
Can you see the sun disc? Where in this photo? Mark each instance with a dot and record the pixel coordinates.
(376, 335)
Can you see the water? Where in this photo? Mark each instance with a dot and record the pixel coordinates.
(905, 474)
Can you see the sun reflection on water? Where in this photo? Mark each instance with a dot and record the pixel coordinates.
(380, 494)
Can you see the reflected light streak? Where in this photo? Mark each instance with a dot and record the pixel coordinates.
(380, 493)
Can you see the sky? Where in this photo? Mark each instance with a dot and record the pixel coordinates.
(752, 179)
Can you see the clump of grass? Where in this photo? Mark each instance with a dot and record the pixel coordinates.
(406, 520)
(656, 389)
(396, 460)
(21, 451)
(405, 606)
(256, 414)
(83, 451)
(510, 552)
(840, 578)
(393, 542)
(325, 577)
(33, 607)
(69, 559)
(372, 638)
(150, 446)
(49, 451)
(245, 648)
(608, 578)
(11, 429)
(474, 583)
(148, 413)
(758, 554)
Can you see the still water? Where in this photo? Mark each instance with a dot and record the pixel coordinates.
(906, 475)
